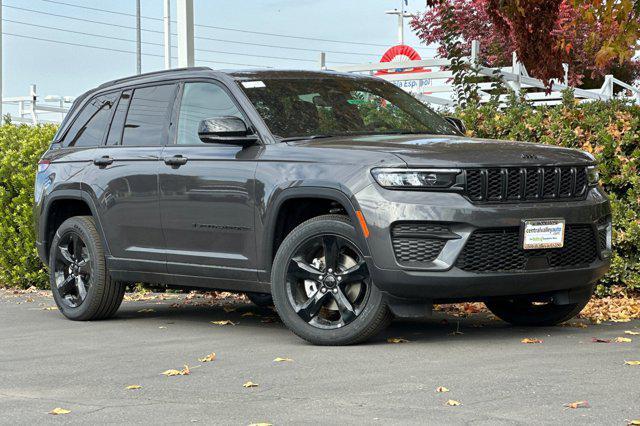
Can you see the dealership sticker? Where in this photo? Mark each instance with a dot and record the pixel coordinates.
(253, 84)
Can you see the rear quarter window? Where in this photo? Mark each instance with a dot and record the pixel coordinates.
(89, 128)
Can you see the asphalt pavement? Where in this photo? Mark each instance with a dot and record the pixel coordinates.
(48, 362)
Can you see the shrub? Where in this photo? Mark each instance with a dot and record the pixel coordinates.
(20, 148)
(608, 130)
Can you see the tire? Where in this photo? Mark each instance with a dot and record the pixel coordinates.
(103, 295)
(523, 312)
(263, 300)
(369, 313)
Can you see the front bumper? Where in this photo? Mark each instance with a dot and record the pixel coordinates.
(441, 278)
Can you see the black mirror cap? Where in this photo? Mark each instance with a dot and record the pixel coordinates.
(226, 129)
(458, 124)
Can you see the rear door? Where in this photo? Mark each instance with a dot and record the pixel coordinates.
(207, 198)
(124, 180)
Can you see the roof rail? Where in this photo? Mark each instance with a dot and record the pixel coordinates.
(150, 74)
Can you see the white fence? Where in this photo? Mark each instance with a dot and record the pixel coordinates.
(434, 86)
(35, 109)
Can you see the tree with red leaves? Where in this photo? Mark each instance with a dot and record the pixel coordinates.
(543, 33)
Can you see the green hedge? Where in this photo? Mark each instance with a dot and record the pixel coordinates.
(20, 149)
(608, 130)
(611, 131)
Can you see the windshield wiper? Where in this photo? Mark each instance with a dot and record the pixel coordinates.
(303, 138)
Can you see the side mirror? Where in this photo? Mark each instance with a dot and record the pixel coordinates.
(458, 124)
(229, 129)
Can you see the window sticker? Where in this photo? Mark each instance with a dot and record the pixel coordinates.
(253, 84)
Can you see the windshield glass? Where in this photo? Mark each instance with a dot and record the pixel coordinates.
(340, 106)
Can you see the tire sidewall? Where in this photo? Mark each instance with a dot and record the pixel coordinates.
(78, 226)
(297, 237)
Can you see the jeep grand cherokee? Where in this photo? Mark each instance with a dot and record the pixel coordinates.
(339, 198)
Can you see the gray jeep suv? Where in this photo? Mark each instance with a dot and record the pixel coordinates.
(339, 198)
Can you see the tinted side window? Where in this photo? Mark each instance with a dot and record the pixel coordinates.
(117, 124)
(148, 118)
(90, 126)
(201, 101)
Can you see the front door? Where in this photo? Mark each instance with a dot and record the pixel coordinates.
(207, 193)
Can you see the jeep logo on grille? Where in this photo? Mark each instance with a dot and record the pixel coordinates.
(529, 156)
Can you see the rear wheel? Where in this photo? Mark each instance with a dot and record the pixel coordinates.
(527, 312)
(321, 285)
(80, 284)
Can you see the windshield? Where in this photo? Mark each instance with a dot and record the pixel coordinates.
(340, 106)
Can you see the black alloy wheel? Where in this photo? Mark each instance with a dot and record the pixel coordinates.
(73, 269)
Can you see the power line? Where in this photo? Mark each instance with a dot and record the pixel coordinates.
(110, 49)
(197, 37)
(229, 28)
(156, 44)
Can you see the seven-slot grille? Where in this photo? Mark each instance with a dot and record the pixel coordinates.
(500, 249)
(504, 184)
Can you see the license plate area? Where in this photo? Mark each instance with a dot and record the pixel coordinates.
(538, 234)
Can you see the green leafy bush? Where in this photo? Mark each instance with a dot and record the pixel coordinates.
(608, 130)
(20, 149)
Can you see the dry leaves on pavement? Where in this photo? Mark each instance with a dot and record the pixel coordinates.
(134, 387)
(279, 359)
(249, 314)
(577, 404)
(632, 363)
(531, 341)
(260, 424)
(250, 384)
(58, 411)
(598, 340)
(209, 358)
(632, 333)
(397, 340)
(616, 309)
(223, 322)
(441, 389)
(623, 340)
(146, 311)
(453, 403)
(184, 372)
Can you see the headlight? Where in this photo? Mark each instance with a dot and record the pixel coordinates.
(416, 178)
(593, 176)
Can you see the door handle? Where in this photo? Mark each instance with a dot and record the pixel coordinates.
(175, 161)
(103, 161)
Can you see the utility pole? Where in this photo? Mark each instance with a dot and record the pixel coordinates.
(185, 33)
(167, 34)
(1, 62)
(401, 15)
(138, 40)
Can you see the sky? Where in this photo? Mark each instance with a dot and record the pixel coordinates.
(68, 70)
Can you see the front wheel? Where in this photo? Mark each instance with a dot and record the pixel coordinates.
(321, 285)
(527, 312)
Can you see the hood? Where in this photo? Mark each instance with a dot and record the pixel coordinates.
(456, 151)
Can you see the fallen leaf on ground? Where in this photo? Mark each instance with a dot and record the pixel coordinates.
(397, 340)
(621, 320)
(574, 324)
(597, 340)
(134, 387)
(162, 327)
(530, 340)
(634, 422)
(282, 360)
(268, 320)
(577, 404)
(453, 403)
(228, 309)
(248, 314)
(632, 333)
(209, 358)
(250, 384)
(223, 322)
(260, 424)
(58, 411)
(623, 340)
(50, 308)
(632, 363)
(441, 389)
(184, 372)
(144, 311)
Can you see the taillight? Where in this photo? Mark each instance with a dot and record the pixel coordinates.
(43, 165)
